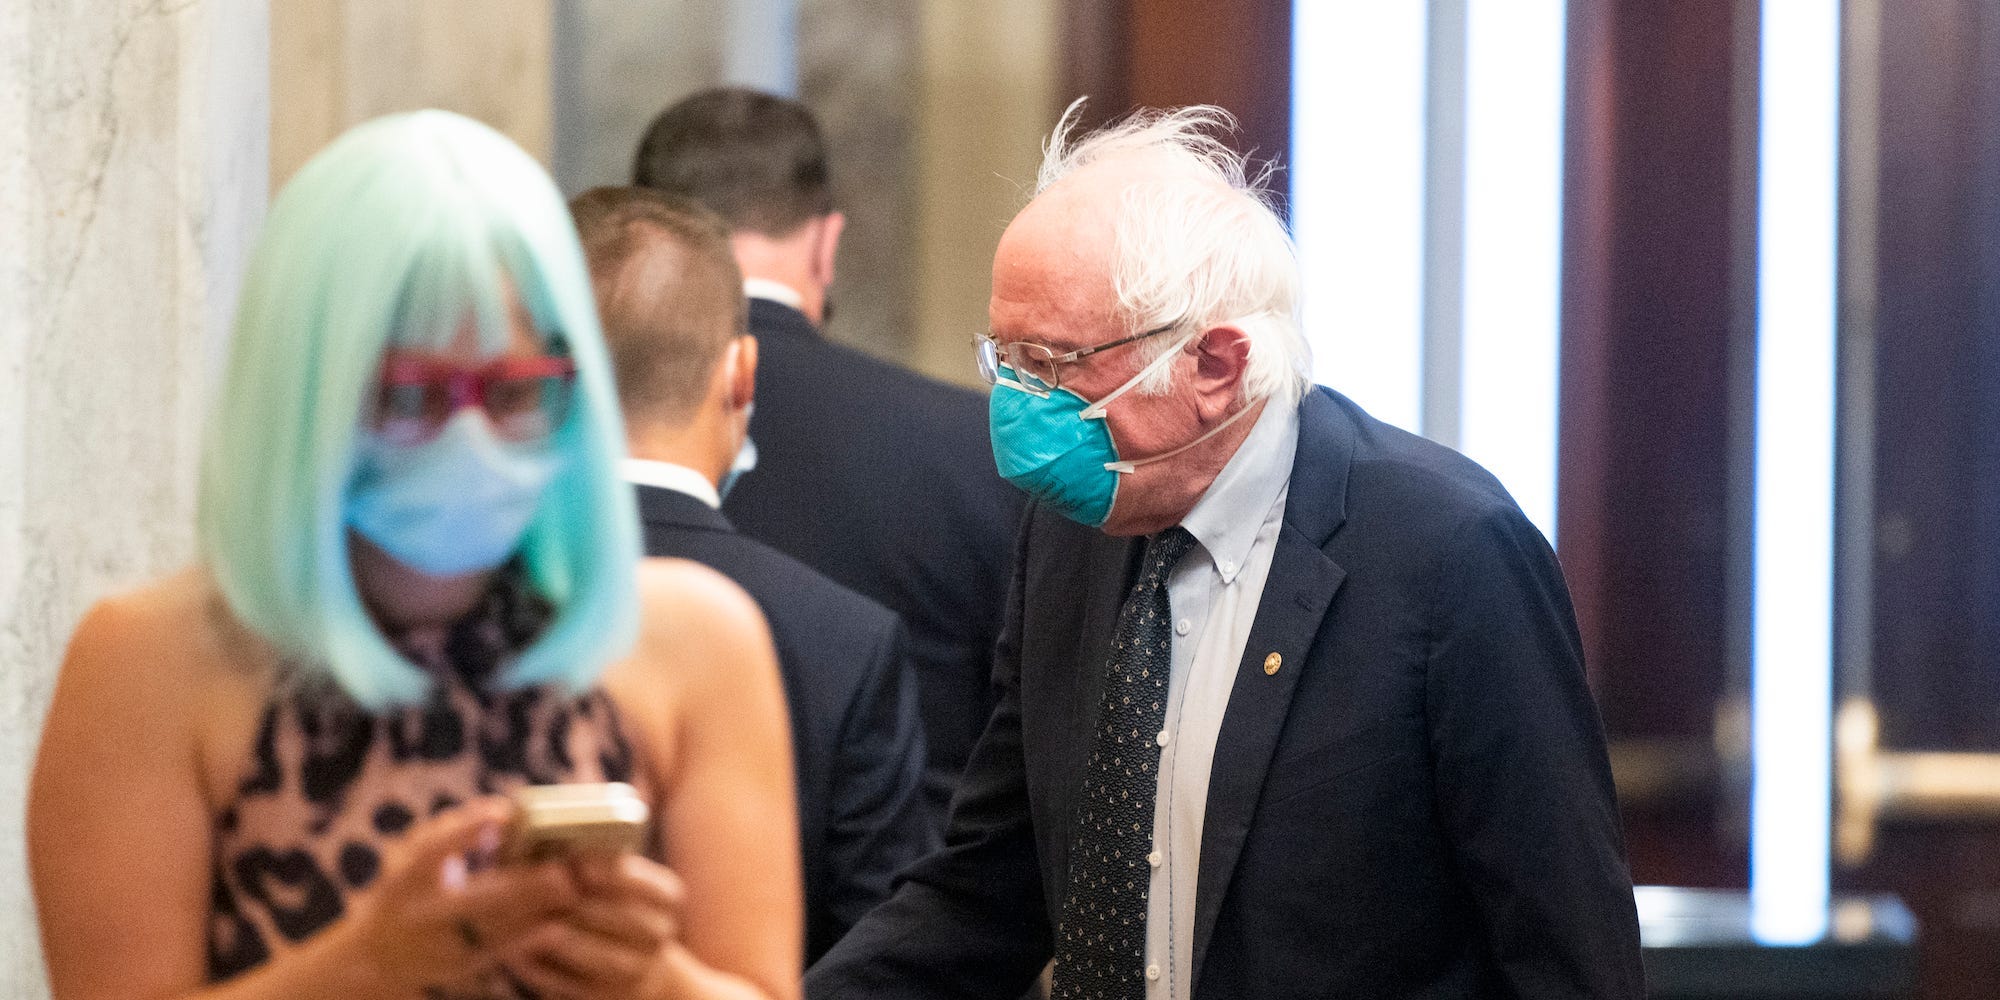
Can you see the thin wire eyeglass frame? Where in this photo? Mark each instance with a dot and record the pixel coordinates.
(991, 354)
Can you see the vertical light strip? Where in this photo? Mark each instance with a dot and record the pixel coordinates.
(1792, 612)
(1444, 224)
(1358, 197)
(1513, 245)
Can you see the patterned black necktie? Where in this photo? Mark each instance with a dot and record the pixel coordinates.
(1101, 941)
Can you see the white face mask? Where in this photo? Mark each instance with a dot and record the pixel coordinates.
(458, 503)
(746, 457)
(746, 453)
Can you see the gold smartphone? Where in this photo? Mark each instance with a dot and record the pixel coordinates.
(562, 821)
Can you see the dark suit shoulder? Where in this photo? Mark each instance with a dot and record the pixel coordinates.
(895, 390)
(790, 592)
(1423, 490)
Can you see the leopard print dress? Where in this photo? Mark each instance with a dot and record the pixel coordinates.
(329, 784)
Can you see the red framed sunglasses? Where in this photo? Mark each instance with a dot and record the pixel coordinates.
(525, 398)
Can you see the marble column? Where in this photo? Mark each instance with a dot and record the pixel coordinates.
(336, 63)
(132, 175)
(987, 96)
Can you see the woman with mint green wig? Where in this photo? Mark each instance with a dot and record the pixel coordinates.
(283, 772)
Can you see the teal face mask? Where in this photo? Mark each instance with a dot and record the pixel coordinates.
(1046, 446)
(1054, 446)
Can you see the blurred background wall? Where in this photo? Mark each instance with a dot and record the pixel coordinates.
(932, 113)
(336, 63)
(136, 140)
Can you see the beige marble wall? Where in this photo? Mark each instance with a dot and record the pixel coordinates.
(986, 97)
(335, 63)
(933, 111)
(132, 172)
(857, 66)
(618, 63)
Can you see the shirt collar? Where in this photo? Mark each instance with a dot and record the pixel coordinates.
(1227, 517)
(776, 291)
(668, 476)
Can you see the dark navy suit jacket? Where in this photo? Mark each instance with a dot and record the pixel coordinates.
(884, 481)
(1416, 803)
(857, 741)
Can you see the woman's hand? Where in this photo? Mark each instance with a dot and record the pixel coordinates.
(620, 942)
(430, 921)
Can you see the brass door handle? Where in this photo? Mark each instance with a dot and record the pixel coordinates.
(1871, 784)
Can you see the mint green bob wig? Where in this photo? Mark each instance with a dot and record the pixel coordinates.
(400, 233)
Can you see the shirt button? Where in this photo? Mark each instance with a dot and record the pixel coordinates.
(1228, 567)
(1154, 859)
(1182, 626)
(1162, 738)
(1152, 972)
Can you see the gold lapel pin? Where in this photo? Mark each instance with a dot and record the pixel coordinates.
(1272, 663)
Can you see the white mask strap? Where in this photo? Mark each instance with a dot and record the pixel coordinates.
(1095, 411)
(1129, 465)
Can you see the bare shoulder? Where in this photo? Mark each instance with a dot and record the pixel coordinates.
(174, 634)
(685, 588)
(690, 607)
(697, 630)
(146, 668)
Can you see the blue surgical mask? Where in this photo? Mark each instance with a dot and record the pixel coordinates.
(746, 458)
(458, 503)
(1055, 447)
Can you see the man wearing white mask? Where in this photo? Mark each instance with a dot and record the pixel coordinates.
(1290, 702)
(669, 294)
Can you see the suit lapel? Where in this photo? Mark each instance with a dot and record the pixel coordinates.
(1296, 596)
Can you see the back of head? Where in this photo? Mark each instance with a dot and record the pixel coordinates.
(396, 235)
(754, 158)
(668, 293)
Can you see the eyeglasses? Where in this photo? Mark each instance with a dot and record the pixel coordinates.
(525, 398)
(1038, 369)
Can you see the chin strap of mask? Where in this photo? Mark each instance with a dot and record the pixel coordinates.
(1128, 465)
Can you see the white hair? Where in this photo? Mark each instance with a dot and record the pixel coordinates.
(1197, 241)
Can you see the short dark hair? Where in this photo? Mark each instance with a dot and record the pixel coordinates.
(669, 295)
(755, 158)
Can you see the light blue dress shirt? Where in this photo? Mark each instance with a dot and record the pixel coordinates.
(1214, 593)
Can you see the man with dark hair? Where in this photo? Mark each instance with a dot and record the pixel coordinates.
(671, 300)
(878, 477)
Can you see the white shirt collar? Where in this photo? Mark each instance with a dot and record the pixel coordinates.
(1226, 518)
(776, 291)
(668, 476)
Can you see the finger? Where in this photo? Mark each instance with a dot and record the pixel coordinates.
(640, 880)
(425, 852)
(584, 959)
(635, 926)
(505, 901)
(546, 982)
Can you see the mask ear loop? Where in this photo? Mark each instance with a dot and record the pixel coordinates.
(1095, 411)
(1132, 464)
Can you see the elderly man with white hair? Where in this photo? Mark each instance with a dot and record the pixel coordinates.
(1290, 702)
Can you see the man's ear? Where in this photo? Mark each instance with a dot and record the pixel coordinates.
(743, 380)
(831, 225)
(1221, 358)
